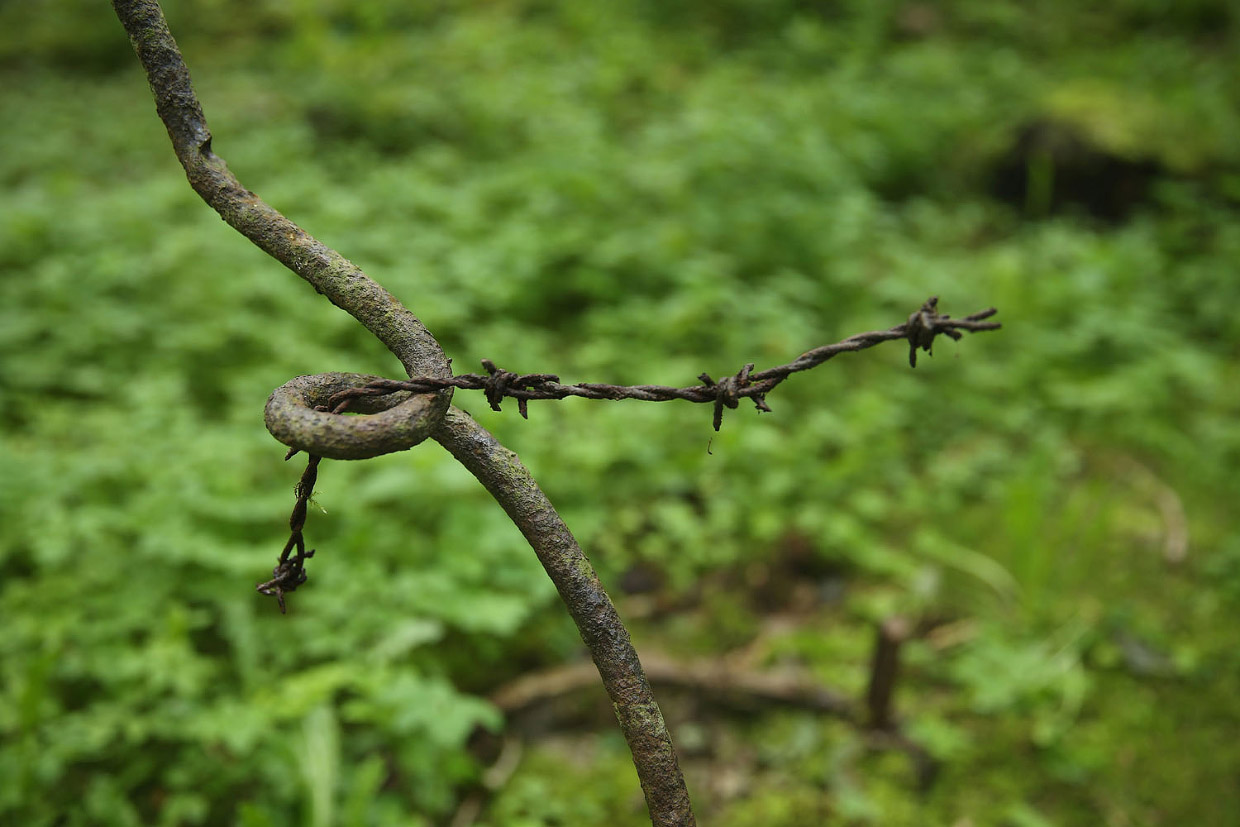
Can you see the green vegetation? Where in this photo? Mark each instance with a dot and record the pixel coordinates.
(631, 192)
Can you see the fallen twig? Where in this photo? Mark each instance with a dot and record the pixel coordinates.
(718, 678)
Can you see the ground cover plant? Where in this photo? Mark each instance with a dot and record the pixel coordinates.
(737, 180)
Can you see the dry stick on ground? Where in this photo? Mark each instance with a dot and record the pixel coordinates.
(301, 412)
(716, 678)
(892, 634)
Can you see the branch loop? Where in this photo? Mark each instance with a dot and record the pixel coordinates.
(298, 414)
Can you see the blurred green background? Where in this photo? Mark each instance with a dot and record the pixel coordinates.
(632, 192)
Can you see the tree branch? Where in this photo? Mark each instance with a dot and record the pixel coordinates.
(501, 472)
(498, 469)
(340, 280)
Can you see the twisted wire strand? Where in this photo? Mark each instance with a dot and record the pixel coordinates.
(920, 331)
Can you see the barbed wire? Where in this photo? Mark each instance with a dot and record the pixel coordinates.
(497, 384)
(290, 570)
(920, 331)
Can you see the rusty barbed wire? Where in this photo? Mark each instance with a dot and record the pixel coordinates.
(497, 384)
(920, 331)
(290, 570)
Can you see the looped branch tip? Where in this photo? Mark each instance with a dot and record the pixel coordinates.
(305, 414)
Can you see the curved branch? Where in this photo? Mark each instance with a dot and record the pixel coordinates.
(340, 280)
(498, 469)
(501, 472)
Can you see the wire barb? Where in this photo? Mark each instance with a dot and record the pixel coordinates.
(728, 392)
(500, 383)
(288, 575)
(926, 323)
